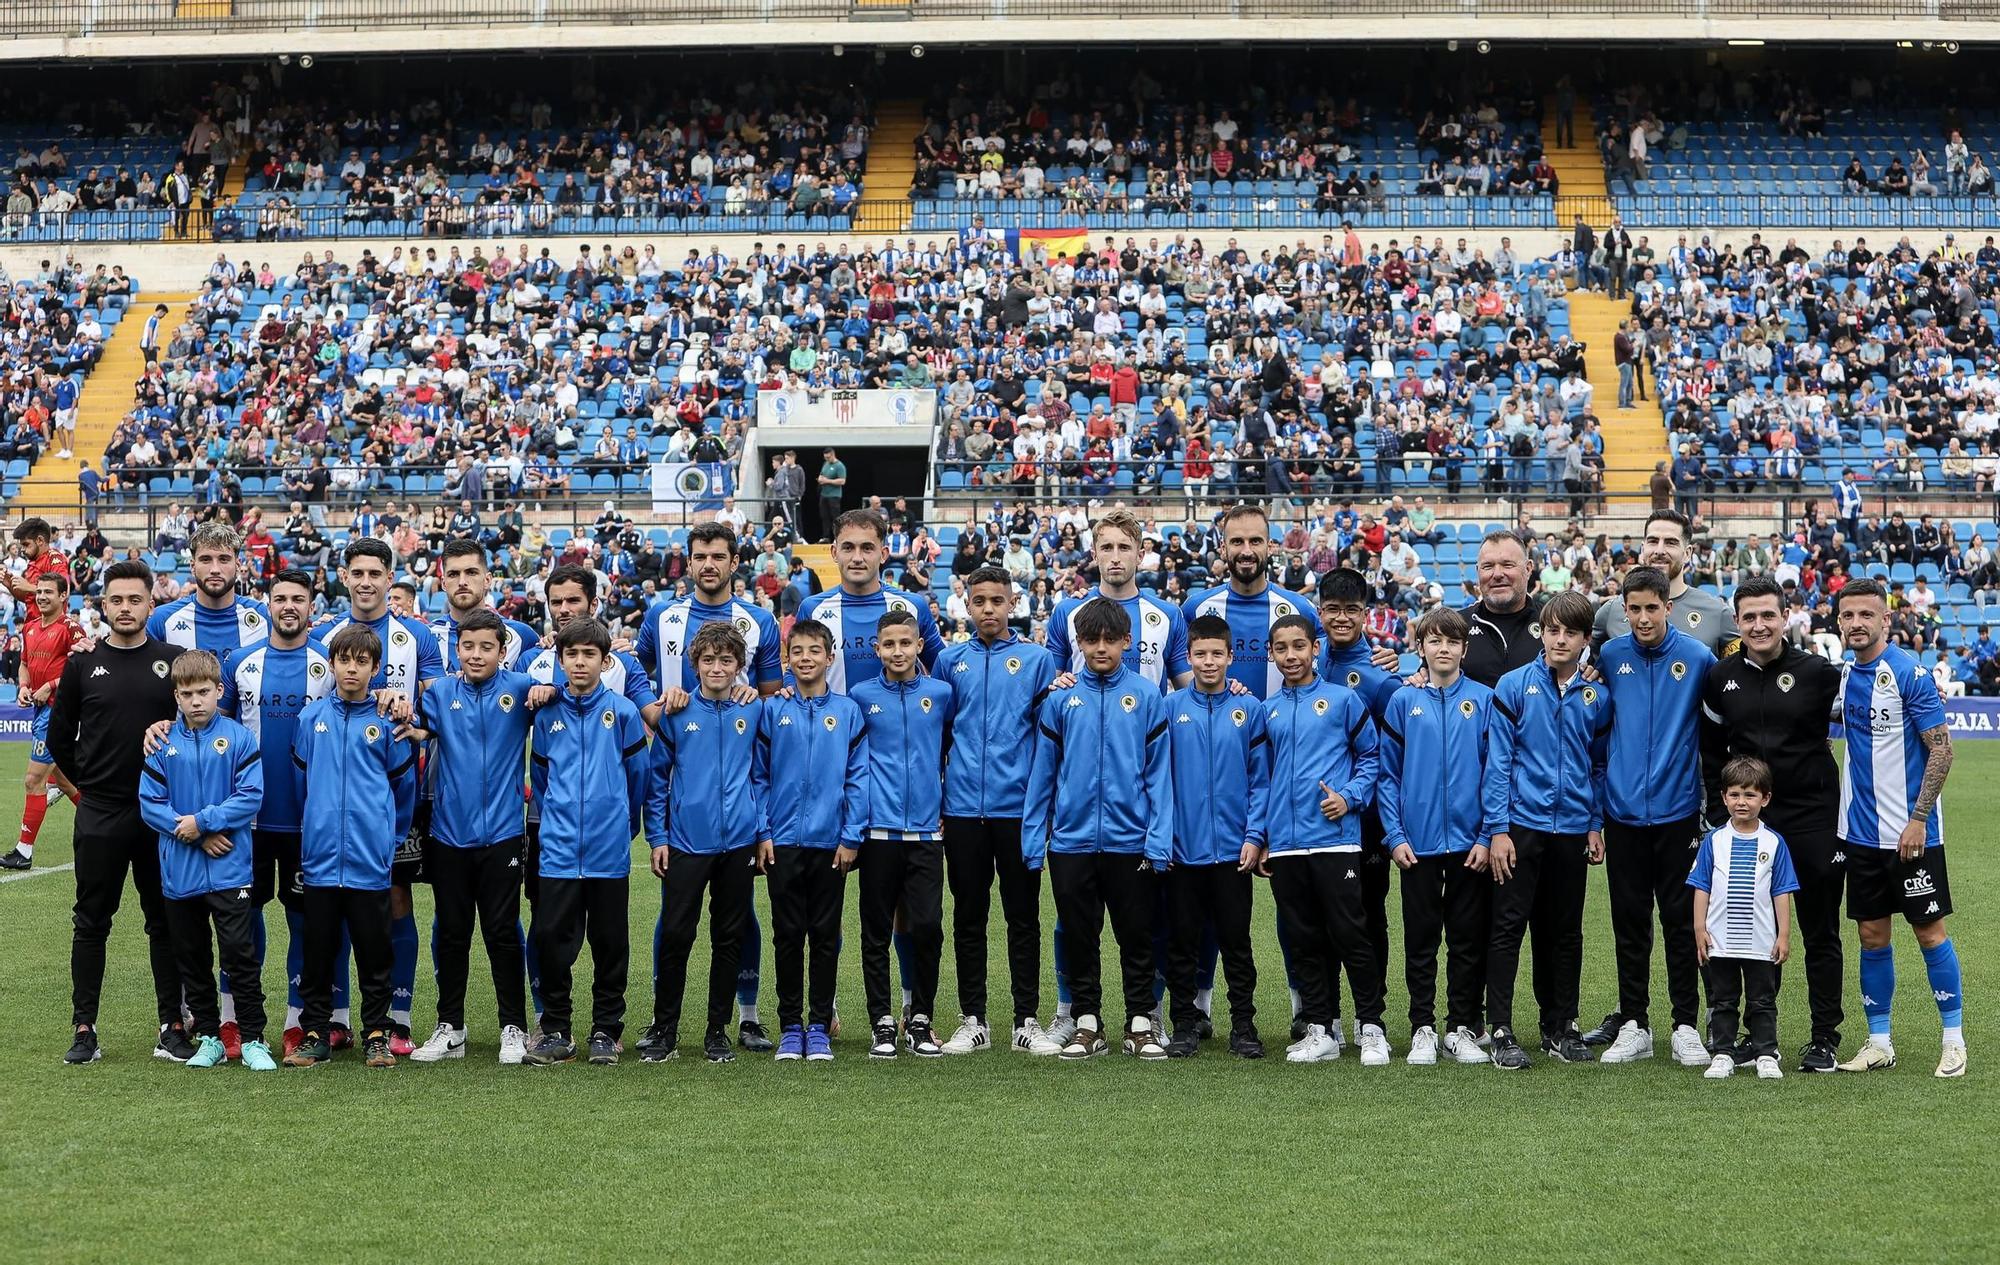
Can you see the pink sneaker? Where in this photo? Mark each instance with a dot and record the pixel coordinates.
(400, 1045)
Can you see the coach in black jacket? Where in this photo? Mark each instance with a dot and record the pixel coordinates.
(1772, 700)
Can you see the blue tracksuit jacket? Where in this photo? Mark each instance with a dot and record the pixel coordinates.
(1102, 775)
(1434, 768)
(358, 783)
(480, 739)
(1545, 752)
(703, 798)
(1222, 763)
(995, 690)
(1352, 666)
(217, 775)
(909, 727)
(1319, 732)
(811, 767)
(591, 774)
(1653, 769)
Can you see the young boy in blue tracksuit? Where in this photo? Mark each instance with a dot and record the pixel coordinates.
(200, 792)
(1652, 815)
(1100, 810)
(477, 723)
(709, 828)
(1544, 804)
(812, 771)
(907, 719)
(357, 781)
(591, 774)
(1433, 821)
(1323, 767)
(1219, 746)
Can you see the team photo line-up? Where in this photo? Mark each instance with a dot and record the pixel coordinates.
(1157, 760)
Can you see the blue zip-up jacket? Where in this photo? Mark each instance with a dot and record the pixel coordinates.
(812, 769)
(1434, 768)
(908, 726)
(479, 740)
(1653, 770)
(1319, 732)
(995, 690)
(217, 775)
(591, 776)
(1222, 763)
(1102, 775)
(358, 784)
(1545, 752)
(1351, 666)
(703, 798)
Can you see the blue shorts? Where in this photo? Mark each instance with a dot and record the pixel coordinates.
(38, 739)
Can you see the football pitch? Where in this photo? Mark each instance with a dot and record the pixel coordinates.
(996, 1156)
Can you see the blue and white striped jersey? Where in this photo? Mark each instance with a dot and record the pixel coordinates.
(1159, 650)
(672, 622)
(409, 650)
(518, 642)
(1742, 874)
(191, 626)
(1250, 620)
(266, 689)
(853, 619)
(1885, 705)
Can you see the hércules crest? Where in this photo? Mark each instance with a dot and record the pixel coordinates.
(1885, 679)
(1238, 716)
(160, 668)
(1128, 702)
(372, 733)
(1589, 695)
(741, 725)
(506, 702)
(316, 671)
(1319, 707)
(400, 637)
(1466, 708)
(1353, 680)
(832, 723)
(1694, 619)
(1013, 666)
(1785, 682)
(1679, 669)
(924, 705)
(221, 745)
(610, 719)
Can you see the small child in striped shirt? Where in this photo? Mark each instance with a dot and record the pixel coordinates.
(1743, 881)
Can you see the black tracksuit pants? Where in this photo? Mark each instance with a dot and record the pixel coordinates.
(1750, 986)
(1819, 908)
(909, 875)
(808, 895)
(1444, 901)
(1322, 898)
(1647, 867)
(1087, 886)
(485, 881)
(727, 879)
(571, 911)
(1545, 896)
(107, 845)
(975, 850)
(230, 914)
(366, 915)
(1199, 896)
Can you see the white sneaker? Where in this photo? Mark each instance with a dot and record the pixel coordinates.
(1374, 1046)
(1688, 1047)
(1423, 1048)
(513, 1046)
(1633, 1043)
(1029, 1035)
(1721, 1067)
(971, 1035)
(446, 1043)
(1056, 1036)
(1951, 1060)
(1316, 1046)
(1461, 1045)
(1871, 1057)
(1768, 1069)
(1086, 1040)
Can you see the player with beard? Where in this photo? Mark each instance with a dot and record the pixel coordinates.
(1697, 612)
(214, 617)
(1249, 601)
(468, 587)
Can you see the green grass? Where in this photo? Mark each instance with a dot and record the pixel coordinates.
(993, 1157)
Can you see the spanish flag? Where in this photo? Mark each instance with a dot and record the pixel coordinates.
(1049, 243)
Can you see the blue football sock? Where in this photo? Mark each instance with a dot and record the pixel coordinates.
(533, 960)
(1878, 988)
(402, 968)
(295, 956)
(749, 966)
(1941, 964)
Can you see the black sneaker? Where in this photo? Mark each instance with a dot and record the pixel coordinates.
(1819, 1056)
(1567, 1047)
(884, 1044)
(1605, 1033)
(715, 1047)
(603, 1049)
(1507, 1052)
(85, 1048)
(1244, 1043)
(1204, 1028)
(1743, 1052)
(173, 1044)
(1185, 1044)
(752, 1037)
(656, 1045)
(312, 1050)
(550, 1048)
(15, 861)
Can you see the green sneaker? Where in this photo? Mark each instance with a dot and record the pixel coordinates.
(207, 1052)
(257, 1057)
(312, 1050)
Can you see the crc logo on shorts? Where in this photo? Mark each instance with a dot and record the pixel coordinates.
(1465, 708)
(1919, 884)
(924, 705)
(1013, 666)
(160, 668)
(372, 733)
(1238, 716)
(1785, 682)
(610, 718)
(1679, 669)
(506, 702)
(316, 671)
(831, 722)
(1589, 694)
(1128, 702)
(1319, 707)
(221, 746)
(1353, 679)
(1694, 619)
(741, 725)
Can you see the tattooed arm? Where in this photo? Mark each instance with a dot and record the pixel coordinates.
(1937, 765)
